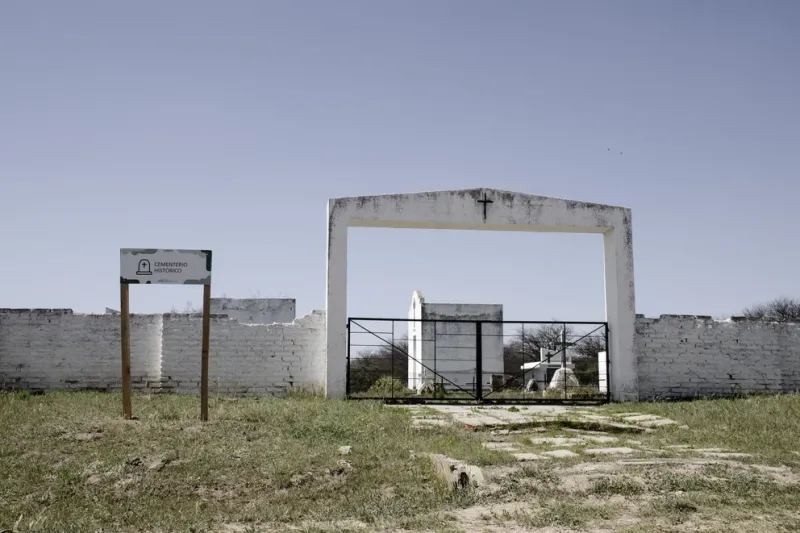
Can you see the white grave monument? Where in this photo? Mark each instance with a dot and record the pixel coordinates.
(442, 343)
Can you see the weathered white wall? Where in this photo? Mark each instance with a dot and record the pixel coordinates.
(508, 212)
(56, 349)
(256, 310)
(688, 356)
(448, 349)
(455, 343)
(254, 359)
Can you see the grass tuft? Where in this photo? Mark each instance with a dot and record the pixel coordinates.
(613, 485)
(564, 514)
(766, 425)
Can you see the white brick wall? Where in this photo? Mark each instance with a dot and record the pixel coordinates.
(55, 349)
(252, 359)
(683, 356)
(256, 310)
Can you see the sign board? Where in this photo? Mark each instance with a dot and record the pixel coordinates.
(153, 266)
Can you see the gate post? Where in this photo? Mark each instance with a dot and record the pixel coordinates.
(608, 368)
(347, 367)
(479, 361)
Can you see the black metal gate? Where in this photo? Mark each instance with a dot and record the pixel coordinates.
(404, 360)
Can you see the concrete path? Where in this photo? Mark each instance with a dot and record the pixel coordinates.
(499, 417)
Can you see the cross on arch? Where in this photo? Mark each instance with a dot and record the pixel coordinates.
(485, 201)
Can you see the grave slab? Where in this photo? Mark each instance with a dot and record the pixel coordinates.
(557, 441)
(609, 451)
(561, 454)
(500, 446)
(523, 457)
(599, 438)
(640, 418)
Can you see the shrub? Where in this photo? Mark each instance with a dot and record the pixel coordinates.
(387, 386)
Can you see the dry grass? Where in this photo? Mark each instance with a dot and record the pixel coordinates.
(69, 463)
(766, 425)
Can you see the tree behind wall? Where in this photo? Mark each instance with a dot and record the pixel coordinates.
(780, 310)
(371, 365)
(525, 346)
(527, 343)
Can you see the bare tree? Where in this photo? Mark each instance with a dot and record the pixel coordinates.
(525, 347)
(382, 361)
(585, 358)
(781, 309)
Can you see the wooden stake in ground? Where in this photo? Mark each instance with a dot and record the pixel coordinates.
(205, 349)
(125, 341)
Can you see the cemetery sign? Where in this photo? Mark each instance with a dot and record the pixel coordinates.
(154, 266)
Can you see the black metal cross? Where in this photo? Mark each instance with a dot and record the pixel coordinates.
(484, 202)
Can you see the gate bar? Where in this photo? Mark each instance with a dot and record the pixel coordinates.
(406, 319)
(479, 361)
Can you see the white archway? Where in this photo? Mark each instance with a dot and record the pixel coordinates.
(494, 210)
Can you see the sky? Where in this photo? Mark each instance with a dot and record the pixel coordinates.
(228, 125)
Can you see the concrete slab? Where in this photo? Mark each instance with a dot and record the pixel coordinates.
(512, 417)
(728, 455)
(599, 438)
(477, 421)
(499, 417)
(526, 456)
(596, 418)
(586, 431)
(500, 446)
(609, 451)
(561, 454)
(640, 418)
(431, 422)
(657, 423)
(668, 460)
(557, 441)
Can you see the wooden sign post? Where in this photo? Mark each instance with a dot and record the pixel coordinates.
(151, 266)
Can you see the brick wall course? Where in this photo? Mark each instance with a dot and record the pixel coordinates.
(684, 356)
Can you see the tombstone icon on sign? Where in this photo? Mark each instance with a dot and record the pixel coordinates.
(144, 268)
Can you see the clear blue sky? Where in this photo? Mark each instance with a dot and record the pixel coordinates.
(228, 125)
